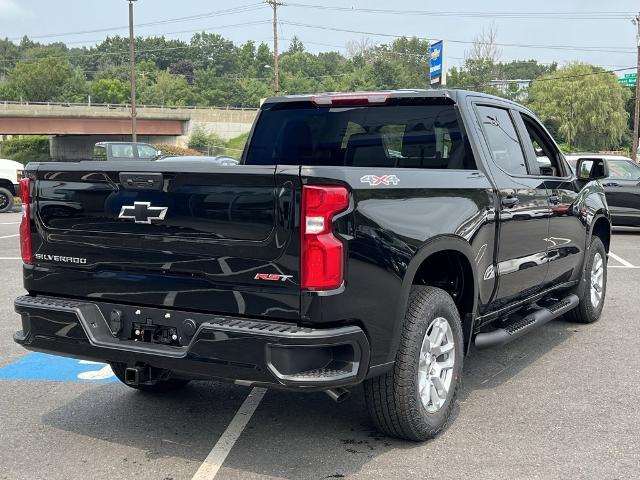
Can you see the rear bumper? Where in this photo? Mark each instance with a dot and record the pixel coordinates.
(208, 346)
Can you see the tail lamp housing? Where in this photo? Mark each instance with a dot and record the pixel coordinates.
(322, 254)
(25, 220)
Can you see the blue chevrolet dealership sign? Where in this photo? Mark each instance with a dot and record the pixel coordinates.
(436, 71)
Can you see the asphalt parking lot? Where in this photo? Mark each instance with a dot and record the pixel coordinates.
(559, 403)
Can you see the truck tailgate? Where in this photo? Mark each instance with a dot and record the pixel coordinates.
(180, 234)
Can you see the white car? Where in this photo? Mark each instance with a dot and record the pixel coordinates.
(10, 175)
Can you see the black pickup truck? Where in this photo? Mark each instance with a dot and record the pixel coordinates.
(365, 238)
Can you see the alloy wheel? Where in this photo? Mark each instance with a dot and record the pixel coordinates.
(435, 368)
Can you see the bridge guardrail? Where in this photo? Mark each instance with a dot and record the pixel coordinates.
(122, 105)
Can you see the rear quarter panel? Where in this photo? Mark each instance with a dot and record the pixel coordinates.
(385, 230)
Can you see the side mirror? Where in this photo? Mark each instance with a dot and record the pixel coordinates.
(158, 154)
(592, 169)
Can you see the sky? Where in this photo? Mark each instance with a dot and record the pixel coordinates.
(572, 30)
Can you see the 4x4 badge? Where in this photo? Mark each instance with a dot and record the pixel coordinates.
(375, 180)
(143, 212)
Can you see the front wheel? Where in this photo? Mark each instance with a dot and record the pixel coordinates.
(593, 287)
(159, 387)
(415, 399)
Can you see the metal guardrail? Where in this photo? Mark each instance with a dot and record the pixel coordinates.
(121, 105)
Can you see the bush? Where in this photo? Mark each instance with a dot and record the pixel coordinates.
(207, 143)
(26, 149)
(235, 146)
(175, 151)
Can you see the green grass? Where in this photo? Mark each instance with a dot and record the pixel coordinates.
(235, 146)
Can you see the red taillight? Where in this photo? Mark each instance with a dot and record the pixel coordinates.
(322, 255)
(25, 221)
(350, 99)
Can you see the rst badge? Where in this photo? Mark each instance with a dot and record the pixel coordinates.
(143, 212)
(272, 277)
(375, 180)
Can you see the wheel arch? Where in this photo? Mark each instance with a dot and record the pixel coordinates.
(4, 183)
(601, 228)
(434, 253)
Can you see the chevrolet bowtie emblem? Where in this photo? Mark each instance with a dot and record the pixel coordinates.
(142, 212)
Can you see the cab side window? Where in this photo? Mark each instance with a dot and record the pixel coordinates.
(99, 153)
(548, 157)
(503, 140)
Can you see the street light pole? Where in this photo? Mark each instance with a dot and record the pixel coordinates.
(132, 61)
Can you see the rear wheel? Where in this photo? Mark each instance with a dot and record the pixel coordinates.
(6, 200)
(415, 399)
(159, 387)
(593, 287)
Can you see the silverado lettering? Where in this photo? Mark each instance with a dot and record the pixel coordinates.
(406, 227)
(58, 258)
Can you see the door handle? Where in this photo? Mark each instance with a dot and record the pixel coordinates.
(554, 199)
(611, 184)
(509, 201)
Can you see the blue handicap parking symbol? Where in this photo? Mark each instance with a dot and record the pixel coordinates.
(51, 368)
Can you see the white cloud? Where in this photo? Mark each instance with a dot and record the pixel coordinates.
(9, 8)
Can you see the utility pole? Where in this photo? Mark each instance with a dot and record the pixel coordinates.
(132, 61)
(636, 120)
(276, 67)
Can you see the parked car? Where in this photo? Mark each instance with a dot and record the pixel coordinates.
(368, 238)
(10, 175)
(622, 187)
(219, 160)
(123, 151)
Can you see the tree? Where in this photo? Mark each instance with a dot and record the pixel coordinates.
(43, 77)
(480, 64)
(110, 90)
(360, 47)
(168, 89)
(296, 45)
(584, 104)
(206, 142)
(184, 69)
(213, 52)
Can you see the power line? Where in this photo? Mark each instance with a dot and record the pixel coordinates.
(229, 11)
(571, 15)
(467, 42)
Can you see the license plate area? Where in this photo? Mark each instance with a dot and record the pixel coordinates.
(150, 333)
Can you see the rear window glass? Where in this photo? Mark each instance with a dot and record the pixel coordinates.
(122, 151)
(403, 136)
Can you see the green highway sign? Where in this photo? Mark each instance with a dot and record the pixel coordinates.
(629, 80)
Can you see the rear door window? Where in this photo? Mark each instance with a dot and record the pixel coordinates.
(623, 170)
(502, 138)
(122, 151)
(147, 152)
(390, 136)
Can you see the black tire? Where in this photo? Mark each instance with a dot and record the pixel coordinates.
(393, 399)
(586, 311)
(160, 387)
(6, 200)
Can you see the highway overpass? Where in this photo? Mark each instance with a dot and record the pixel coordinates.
(74, 129)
